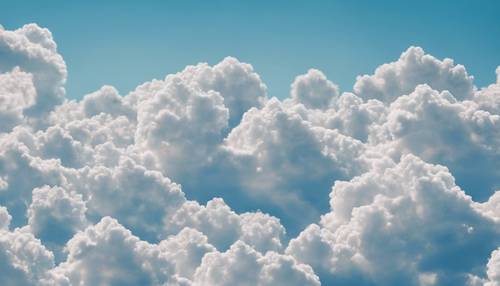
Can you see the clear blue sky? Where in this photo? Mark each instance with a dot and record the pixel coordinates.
(125, 43)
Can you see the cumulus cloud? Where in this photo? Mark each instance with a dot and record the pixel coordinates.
(202, 179)
(139, 198)
(492, 206)
(106, 100)
(181, 259)
(494, 269)
(33, 50)
(241, 265)
(488, 98)
(108, 254)
(314, 90)
(17, 94)
(4, 218)
(186, 250)
(22, 171)
(55, 215)
(180, 123)
(349, 114)
(290, 162)
(24, 260)
(223, 227)
(415, 67)
(410, 218)
(440, 129)
(492, 272)
(237, 82)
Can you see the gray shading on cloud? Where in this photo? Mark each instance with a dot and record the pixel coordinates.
(202, 178)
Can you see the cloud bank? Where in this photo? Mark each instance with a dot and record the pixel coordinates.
(202, 178)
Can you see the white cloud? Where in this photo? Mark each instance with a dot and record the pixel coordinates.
(262, 232)
(491, 208)
(256, 163)
(34, 51)
(55, 215)
(414, 67)
(289, 162)
(17, 93)
(108, 254)
(494, 269)
(223, 227)
(488, 98)
(216, 220)
(354, 117)
(186, 250)
(180, 123)
(4, 218)
(235, 81)
(439, 129)
(97, 130)
(57, 143)
(411, 219)
(22, 172)
(106, 100)
(492, 272)
(24, 260)
(314, 90)
(139, 198)
(241, 265)
(349, 114)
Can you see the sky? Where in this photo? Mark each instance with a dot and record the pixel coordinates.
(256, 168)
(124, 44)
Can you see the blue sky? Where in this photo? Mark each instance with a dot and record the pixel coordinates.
(124, 43)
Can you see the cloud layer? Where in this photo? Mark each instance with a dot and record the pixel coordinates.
(202, 178)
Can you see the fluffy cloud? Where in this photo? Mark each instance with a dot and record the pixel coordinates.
(201, 179)
(24, 260)
(488, 98)
(106, 100)
(289, 162)
(410, 218)
(17, 93)
(241, 265)
(491, 207)
(33, 50)
(494, 269)
(414, 67)
(440, 129)
(223, 227)
(180, 123)
(350, 115)
(4, 218)
(55, 215)
(262, 232)
(182, 127)
(139, 198)
(186, 250)
(314, 90)
(492, 272)
(21, 172)
(108, 254)
(236, 82)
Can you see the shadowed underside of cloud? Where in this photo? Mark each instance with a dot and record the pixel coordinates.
(202, 178)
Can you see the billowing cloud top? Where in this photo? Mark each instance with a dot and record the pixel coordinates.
(202, 178)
